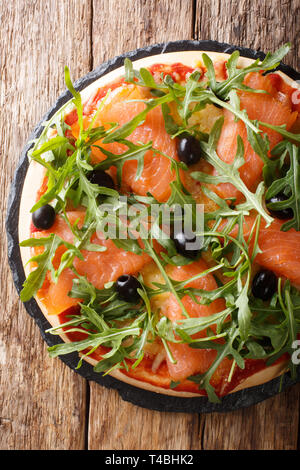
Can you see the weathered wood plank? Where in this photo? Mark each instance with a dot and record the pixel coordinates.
(114, 423)
(136, 24)
(270, 425)
(42, 402)
(259, 25)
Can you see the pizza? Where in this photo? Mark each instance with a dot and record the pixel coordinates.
(159, 223)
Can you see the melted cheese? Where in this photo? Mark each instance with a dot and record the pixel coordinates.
(151, 274)
(206, 118)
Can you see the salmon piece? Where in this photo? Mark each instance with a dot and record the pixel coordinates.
(257, 81)
(220, 69)
(55, 297)
(60, 227)
(263, 107)
(190, 361)
(98, 267)
(91, 104)
(266, 107)
(284, 89)
(157, 173)
(182, 273)
(280, 250)
(107, 266)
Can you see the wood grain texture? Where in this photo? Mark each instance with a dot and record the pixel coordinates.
(270, 425)
(42, 402)
(134, 24)
(43, 405)
(115, 424)
(259, 24)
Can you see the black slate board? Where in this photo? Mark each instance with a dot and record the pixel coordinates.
(129, 393)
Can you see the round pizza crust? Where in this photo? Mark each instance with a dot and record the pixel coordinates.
(33, 181)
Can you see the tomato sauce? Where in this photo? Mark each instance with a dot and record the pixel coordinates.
(91, 105)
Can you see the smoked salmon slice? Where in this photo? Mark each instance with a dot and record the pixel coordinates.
(98, 267)
(190, 361)
(157, 173)
(285, 90)
(280, 251)
(263, 107)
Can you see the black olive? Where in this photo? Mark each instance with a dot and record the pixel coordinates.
(282, 213)
(215, 104)
(189, 150)
(44, 217)
(127, 287)
(101, 178)
(265, 342)
(264, 284)
(182, 239)
(157, 92)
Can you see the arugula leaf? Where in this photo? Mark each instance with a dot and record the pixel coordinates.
(244, 312)
(134, 152)
(281, 130)
(52, 144)
(236, 75)
(142, 77)
(171, 126)
(76, 100)
(57, 183)
(191, 86)
(127, 129)
(261, 146)
(149, 249)
(36, 277)
(228, 173)
(289, 184)
(222, 351)
(112, 338)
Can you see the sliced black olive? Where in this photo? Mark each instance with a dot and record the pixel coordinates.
(189, 150)
(101, 178)
(127, 287)
(182, 240)
(264, 284)
(44, 217)
(282, 214)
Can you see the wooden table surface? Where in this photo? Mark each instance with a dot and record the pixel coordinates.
(43, 404)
